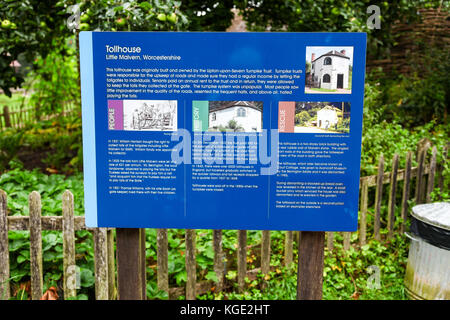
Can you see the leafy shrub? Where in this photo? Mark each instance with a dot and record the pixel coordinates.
(53, 145)
(34, 28)
(18, 184)
(118, 15)
(385, 130)
(347, 274)
(302, 117)
(390, 138)
(54, 82)
(10, 144)
(412, 99)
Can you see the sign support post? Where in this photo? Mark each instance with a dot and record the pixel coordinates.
(310, 265)
(131, 273)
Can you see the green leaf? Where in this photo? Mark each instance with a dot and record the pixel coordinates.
(21, 259)
(18, 244)
(17, 275)
(51, 256)
(49, 240)
(211, 275)
(231, 275)
(209, 252)
(181, 277)
(87, 278)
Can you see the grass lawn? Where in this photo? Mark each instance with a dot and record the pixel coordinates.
(323, 90)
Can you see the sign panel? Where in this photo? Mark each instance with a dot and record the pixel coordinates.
(222, 130)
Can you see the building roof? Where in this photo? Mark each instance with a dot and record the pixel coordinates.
(332, 53)
(15, 63)
(333, 108)
(230, 104)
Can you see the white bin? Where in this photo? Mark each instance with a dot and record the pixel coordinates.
(428, 270)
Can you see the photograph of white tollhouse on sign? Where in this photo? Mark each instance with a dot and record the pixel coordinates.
(227, 116)
(329, 70)
(314, 117)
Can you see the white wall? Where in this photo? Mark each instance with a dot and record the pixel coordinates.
(326, 116)
(250, 122)
(338, 65)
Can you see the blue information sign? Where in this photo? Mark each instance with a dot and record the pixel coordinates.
(222, 130)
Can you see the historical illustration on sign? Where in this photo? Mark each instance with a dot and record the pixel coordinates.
(314, 117)
(227, 116)
(329, 70)
(142, 115)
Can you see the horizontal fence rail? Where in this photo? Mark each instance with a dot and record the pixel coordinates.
(424, 177)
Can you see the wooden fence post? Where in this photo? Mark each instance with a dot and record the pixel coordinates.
(392, 193)
(69, 270)
(162, 260)
(431, 175)
(4, 248)
(406, 191)
(378, 198)
(130, 259)
(442, 168)
(265, 252)
(423, 186)
(101, 264)
(34, 201)
(419, 177)
(7, 117)
(363, 216)
(111, 265)
(143, 263)
(242, 259)
(191, 268)
(310, 265)
(219, 267)
(297, 237)
(37, 112)
(347, 238)
(330, 241)
(288, 248)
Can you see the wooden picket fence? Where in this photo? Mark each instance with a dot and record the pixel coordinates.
(129, 259)
(68, 224)
(20, 117)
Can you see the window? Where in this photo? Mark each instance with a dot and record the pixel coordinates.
(327, 61)
(241, 112)
(213, 116)
(326, 78)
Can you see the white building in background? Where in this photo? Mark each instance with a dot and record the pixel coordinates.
(330, 70)
(327, 117)
(248, 117)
